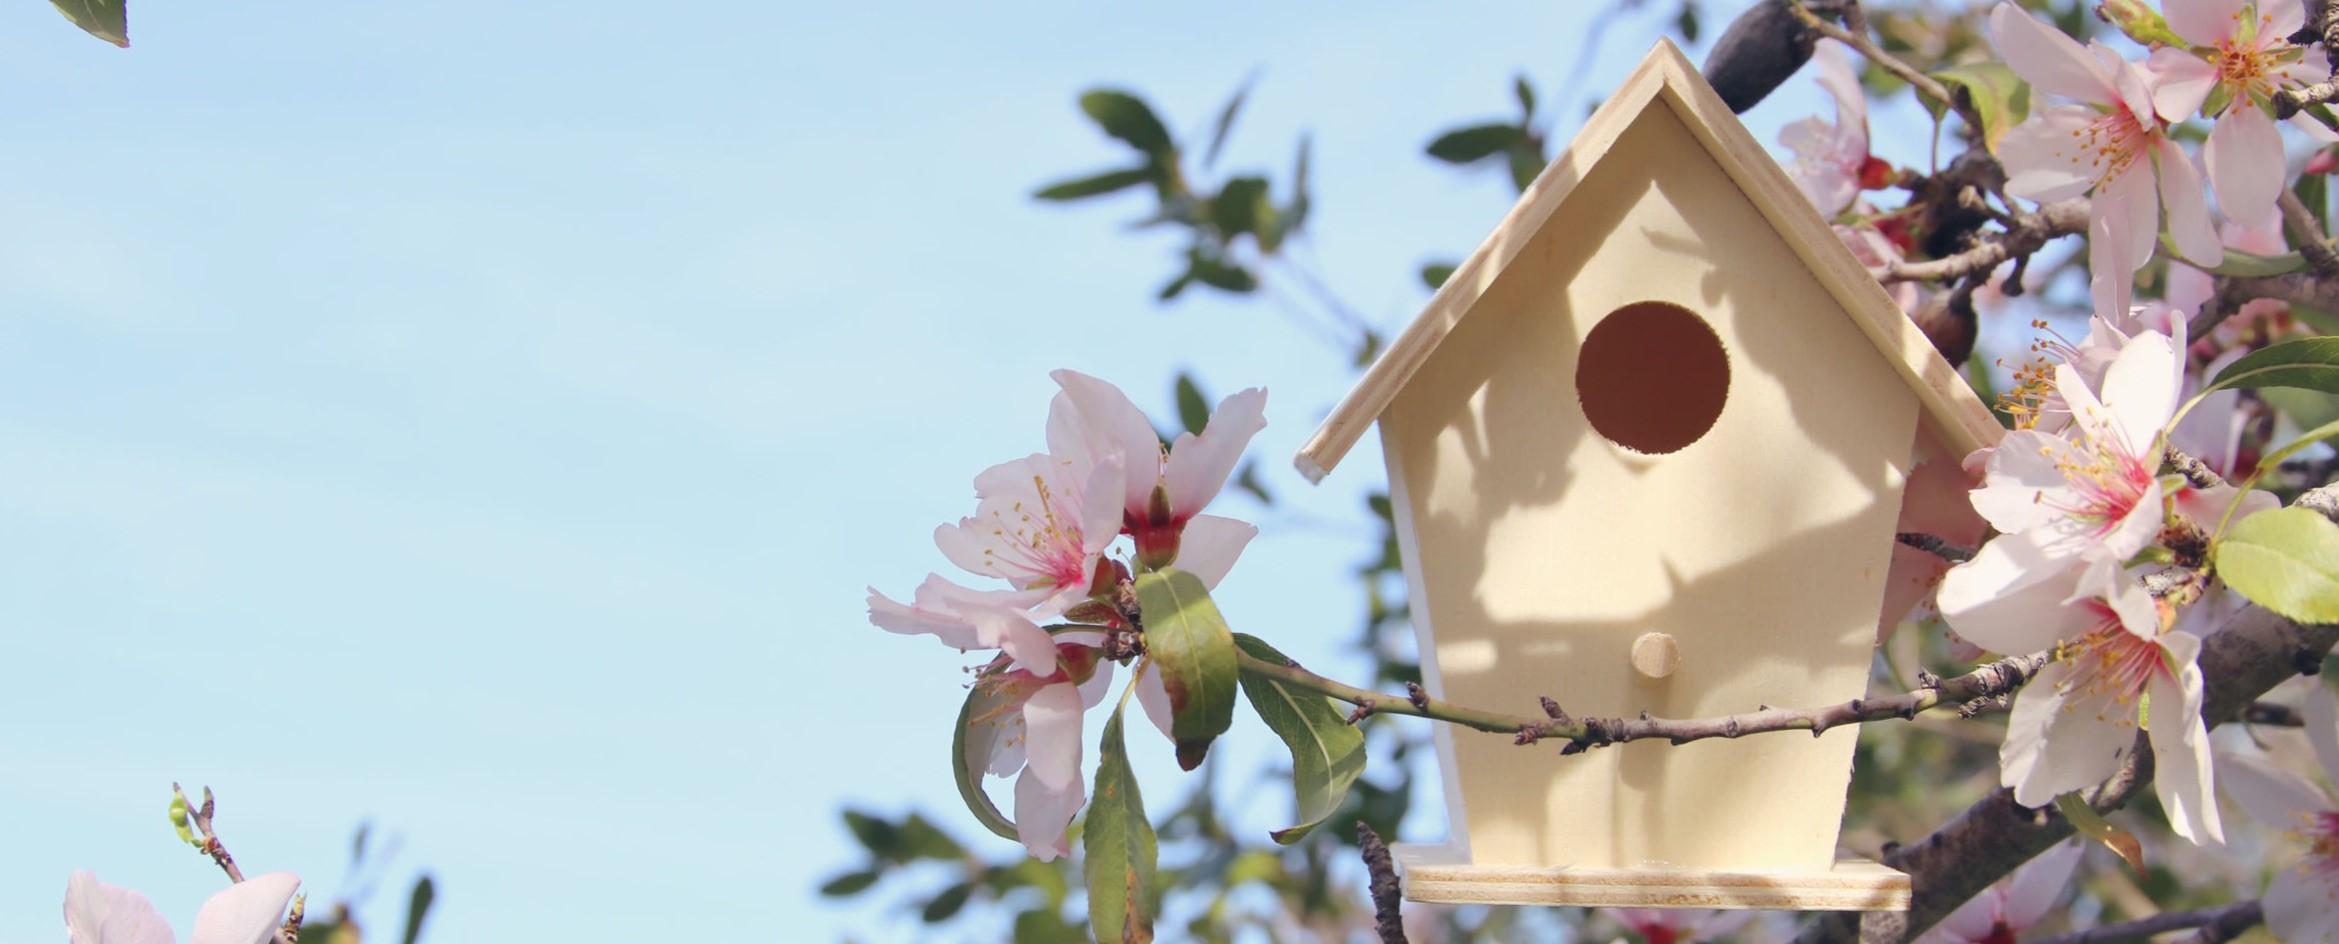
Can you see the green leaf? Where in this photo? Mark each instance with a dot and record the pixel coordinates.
(2314, 191)
(2306, 363)
(1118, 846)
(1686, 22)
(1526, 163)
(1999, 98)
(108, 20)
(1327, 753)
(1224, 276)
(418, 907)
(1175, 287)
(1240, 205)
(1128, 118)
(1226, 116)
(1475, 143)
(2286, 560)
(1435, 274)
(2248, 265)
(1193, 407)
(921, 839)
(849, 884)
(968, 759)
(881, 838)
(942, 906)
(1095, 185)
(2087, 822)
(1526, 95)
(2141, 22)
(1195, 654)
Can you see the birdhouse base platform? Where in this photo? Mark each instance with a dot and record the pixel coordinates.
(1435, 873)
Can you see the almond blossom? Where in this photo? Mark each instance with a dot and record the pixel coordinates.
(1832, 164)
(247, 912)
(2116, 669)
(1028, 725)
(965, 620)
(2112, 145)
(1165, 489)
(1041, 524)
(2013, 904)
(2240, 57)
(2302, 903)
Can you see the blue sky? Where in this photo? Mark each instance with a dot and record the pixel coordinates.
(486, 423)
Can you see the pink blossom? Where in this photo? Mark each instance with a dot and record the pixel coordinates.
(2302, 903)
(247, 912)
(1042, 524)
(2013, 904)
(2111, 145)
(966, 619)
(1831, 163)
(2239, 58)
(2075, 723)
(1164, 489)
(1032, 729)
(2190, 288)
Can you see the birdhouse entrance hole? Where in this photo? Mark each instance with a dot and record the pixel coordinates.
(1652, 377)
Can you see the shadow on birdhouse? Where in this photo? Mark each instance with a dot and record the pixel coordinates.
(1646, 449)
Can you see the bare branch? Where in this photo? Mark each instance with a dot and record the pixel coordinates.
(2229, 920)
(1387, 894)
(2307, 231)
(2030, 231)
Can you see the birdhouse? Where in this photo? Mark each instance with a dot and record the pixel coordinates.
(1646, 449)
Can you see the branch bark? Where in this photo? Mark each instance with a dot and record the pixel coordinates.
(2228, 921)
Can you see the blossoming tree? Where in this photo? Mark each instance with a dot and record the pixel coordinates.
(2131, 194)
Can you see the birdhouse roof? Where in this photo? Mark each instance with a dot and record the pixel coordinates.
(1666, 79)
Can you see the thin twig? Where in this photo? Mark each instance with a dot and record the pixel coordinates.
(2230, 919)
(1993, 680)
(2196, 472)
(2273, 714)
(2029, 232)
(2307, 231)
(1935, 545)
(200, 817)
(1860, 42)
(1387, 893)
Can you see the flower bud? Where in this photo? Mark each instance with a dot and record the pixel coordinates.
(1762, 47)
(2139, 21)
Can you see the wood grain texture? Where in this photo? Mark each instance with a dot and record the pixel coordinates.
(1431, 874)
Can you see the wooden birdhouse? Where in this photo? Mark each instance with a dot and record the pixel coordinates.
(1646, 449)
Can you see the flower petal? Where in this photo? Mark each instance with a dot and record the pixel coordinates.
(1153, 698)
(1013, 633)
(1210, 545)
(2033, 888)
(2244, 157)
(2283, 17)
(1110, 422)
(2321, 713)
(2302, 907)
(2010, 596)
(2275, 797)
(2183, 778)
(1051, 731)
(2055, 746)
(247, 912)
(1043, 813)
(1198, 467)
(2139, 393)
(2188, 210)
(2110, 271)
(893, 617)
(2039, 163)
(98, 913)
(2046, 58)
(2181, 82)
(2025, 471)
(2203, 22)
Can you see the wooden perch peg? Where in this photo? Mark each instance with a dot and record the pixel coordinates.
(1655, 655)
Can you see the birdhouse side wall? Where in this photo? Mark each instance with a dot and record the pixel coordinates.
(1539, 550)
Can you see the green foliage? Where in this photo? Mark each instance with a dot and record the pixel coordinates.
(968, 760)
(1435, 274)
(1475, 143)
(418, 904)
(1119, 847)
(2308, 363)
(1128, 118)
(1518, 144)
(1193, 407)
(2286, 560)
(850, 883)
(1998, 97)
(1327, 753)
(1194, 652)
(108, 20)
(1096, 185)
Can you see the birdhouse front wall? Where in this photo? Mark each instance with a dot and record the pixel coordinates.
(1539, 549)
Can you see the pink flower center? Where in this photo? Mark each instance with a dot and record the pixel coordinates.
(2114, 664)
(1040, 547)
(2112, 143)
(2322, 836)
(2246, 68)
(2108, 485)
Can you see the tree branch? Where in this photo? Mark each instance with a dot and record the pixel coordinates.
(2307, 231)
(1993, 680)
(1388, 895)
(2229, 920)
(1858, 39)
(2029, 232)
